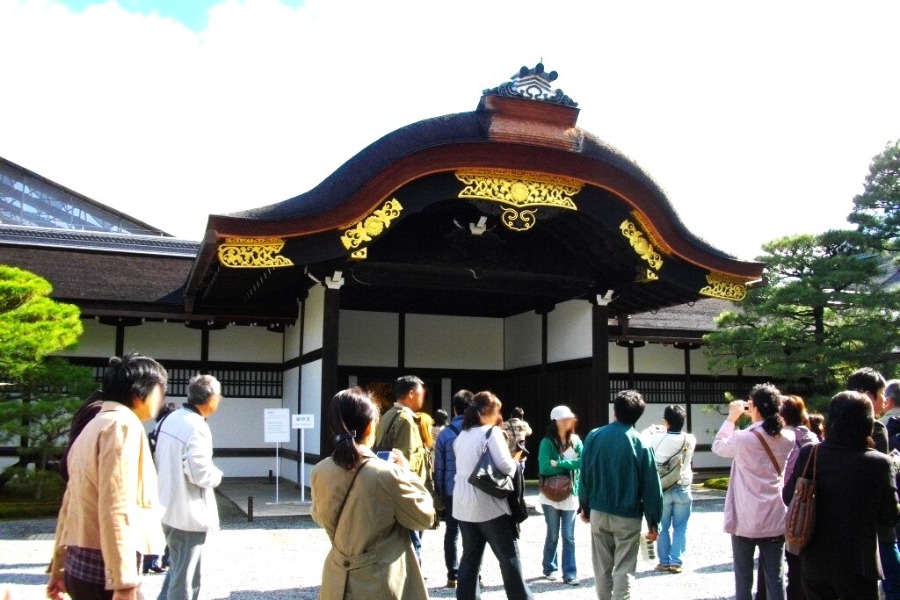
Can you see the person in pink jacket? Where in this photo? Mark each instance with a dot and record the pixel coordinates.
(754, 510)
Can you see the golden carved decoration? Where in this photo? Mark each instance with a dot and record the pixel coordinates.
(646, 276)
(652, 234)
(725, 287)
(520, 192)
(252, 253)
(361, 254)
(641, 245)
(372, 226)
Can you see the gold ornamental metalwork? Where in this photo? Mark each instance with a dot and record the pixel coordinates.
(252, 253)
(520, 193)
(361, 254)
(652, 234)
(641, 244)
(372, 226)
(725, 287)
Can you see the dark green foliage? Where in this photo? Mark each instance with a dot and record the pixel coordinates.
(38, 414)
(823, 313)
(32, 325)
(876, 212)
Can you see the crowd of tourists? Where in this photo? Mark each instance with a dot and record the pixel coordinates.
(616, 480)
(131, 498)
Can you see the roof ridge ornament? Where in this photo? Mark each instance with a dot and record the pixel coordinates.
(532, 84)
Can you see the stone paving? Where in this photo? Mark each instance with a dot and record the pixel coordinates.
(281, 557)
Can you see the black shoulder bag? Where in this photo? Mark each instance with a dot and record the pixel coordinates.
(486, 477)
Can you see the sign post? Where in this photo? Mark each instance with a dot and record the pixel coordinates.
(277, 430)
(303, 422)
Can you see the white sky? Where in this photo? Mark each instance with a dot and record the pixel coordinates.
(759, 119)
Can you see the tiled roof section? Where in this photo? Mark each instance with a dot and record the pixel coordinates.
(696, 317)
(83, 275)
(97, 241)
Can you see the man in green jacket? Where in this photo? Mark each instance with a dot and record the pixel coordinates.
(399, 428)
(619, 485)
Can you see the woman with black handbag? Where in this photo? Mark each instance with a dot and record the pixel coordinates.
(484, 518)
(559, 460)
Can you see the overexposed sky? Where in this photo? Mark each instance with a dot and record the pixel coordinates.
(759, 119)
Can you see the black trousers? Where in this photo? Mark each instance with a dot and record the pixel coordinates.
(829, 584)
(79, 589)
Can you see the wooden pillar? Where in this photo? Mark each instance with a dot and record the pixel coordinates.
(598, 403)
(204, 350)
(545, 386)
(330, 384)
(120, 339)
(688, 400)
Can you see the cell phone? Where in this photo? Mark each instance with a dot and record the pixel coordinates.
(384, 454)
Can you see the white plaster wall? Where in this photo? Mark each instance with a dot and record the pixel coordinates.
(569, 331)
(658, 358)
(290, 397)
(441, 341)
(292, 341)
(703, 426)
(97, 340)
(311, 401)
(239, 422)
(241, 343)
(256, 466)
(370, 339)
(618, 358)
(163, 341)
(313, 319)
(522, 340)
(700, 364)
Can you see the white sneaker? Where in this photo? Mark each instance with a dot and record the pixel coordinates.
(573, 581)
(551, 576)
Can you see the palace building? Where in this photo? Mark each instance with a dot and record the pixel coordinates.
(504, 249)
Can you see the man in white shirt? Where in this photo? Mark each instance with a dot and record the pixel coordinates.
(187, 478)
(673, 446)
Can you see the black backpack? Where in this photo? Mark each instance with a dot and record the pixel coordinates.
(154, 435)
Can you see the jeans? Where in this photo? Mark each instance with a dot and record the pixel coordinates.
(615, 541)
(677, 502)
(771, 555)
(559, 519)
(890, 565)
(416, 538)
(451, 537)
(182, 580)
(500, 534)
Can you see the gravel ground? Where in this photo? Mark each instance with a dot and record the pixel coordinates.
(275, 558)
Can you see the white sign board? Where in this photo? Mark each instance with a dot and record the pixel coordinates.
(278, 425)
(303, 421)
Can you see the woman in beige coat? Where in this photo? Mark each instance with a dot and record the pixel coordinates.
(110, 511)
(368, 507)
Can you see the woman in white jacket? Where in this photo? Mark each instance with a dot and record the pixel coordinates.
(484, 519)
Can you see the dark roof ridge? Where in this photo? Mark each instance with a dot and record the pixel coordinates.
(97, 240)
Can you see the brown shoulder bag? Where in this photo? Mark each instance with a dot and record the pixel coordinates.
(801, 515)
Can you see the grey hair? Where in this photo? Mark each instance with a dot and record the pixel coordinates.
(892, 391)
(201, 388)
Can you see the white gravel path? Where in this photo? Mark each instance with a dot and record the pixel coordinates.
(282, 558)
